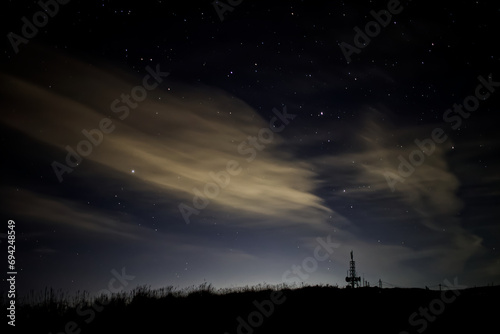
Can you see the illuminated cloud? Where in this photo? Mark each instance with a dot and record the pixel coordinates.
(172, 140)
(429, 196)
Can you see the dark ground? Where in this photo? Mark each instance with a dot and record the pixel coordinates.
(305, 310)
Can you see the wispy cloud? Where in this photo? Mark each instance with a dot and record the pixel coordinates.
(72, 215)
(173, 140)
(428, 198)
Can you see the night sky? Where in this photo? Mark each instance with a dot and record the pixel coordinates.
(155, 138)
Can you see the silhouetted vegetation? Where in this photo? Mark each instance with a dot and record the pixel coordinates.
(261, 309)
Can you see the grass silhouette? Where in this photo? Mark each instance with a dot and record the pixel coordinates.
(308, 309)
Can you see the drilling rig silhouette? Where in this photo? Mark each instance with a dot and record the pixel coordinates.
(351, 277)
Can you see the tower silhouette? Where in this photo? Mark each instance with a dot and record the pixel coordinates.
(351, 277)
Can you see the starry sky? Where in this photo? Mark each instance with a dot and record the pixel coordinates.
(216, 143)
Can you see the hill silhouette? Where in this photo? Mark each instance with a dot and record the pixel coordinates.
(265, 309)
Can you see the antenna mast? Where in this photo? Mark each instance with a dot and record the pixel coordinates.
(352, 279)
